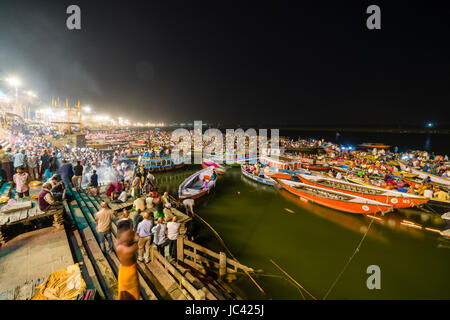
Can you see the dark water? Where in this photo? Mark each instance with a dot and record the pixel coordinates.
(313, 243)
(438, 143)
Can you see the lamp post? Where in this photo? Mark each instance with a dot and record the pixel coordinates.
(15, 83)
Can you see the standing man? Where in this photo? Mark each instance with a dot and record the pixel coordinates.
(144, 231)
(136, 186)
(128, 281)
(78, 175)
(139, 205)
(32, 166)
(66, 173)
(159, 232)
(93, 183)
(173, 231)
(189, 206)
(20, 159)
(104, 219)
(7, 164)
(21, 180)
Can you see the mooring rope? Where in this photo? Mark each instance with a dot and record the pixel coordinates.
(348, 262)
(229, 252)
(292, 279)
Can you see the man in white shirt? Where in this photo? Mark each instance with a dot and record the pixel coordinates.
(123, 196)
(149, 202)
(173, 231)
(189, 206)
(428, 193)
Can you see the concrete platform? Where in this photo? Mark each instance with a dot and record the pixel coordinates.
(33, 255)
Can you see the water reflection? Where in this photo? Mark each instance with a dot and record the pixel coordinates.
(354, 223)
(257, 185)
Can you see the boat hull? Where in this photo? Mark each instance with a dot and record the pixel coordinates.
(266, 181)
(396, 201)
(340, 205)
(441, 204)
(423, 175)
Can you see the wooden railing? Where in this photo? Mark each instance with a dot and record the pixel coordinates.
(182, 282)
(201, 258)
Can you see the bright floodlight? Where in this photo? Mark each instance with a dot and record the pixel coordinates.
(87, 109)
(31, 94)
(430, 124)
(14, 82)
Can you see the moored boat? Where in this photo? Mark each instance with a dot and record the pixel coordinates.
(334, 199)
(269, 181)
(282, 164)
(423, 175)
(209, 163)
(395, 198)
(197, 185)
(441, 205)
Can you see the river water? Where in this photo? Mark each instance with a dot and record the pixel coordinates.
(263, 226)
(313, 243)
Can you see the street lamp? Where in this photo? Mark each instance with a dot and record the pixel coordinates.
(31, 94)
(15, 83)
(87, 109)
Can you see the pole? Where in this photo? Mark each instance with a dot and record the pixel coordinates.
(68, 116)
(79, 111)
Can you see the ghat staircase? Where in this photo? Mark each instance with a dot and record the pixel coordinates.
(184, 279)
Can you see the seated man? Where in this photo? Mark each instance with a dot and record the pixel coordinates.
(58, 190)
(46, 201)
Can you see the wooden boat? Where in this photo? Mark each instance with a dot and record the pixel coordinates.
(164, 163)
(279, 175)
(441, 205)
(269, 181)
(372, 145)
(445, 233)
(446, 217)
(315, 167)
(334, 199)
(396, 199)
(282, 165)
(208, 163)
(423, 175)
(192, 187)
(405, 174)
(417, 181)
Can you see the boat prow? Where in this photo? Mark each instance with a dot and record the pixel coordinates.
(194, 186)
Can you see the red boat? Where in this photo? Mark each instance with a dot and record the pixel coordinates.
(315, 167)
(334, 199)
(279, 175)
(395, 198)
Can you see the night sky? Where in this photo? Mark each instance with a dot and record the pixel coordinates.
(246, 62)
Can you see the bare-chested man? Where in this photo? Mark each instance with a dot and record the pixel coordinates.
(126, 250)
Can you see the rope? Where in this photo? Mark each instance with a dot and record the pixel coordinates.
(292, 279)
(229, 252)
(348, 262)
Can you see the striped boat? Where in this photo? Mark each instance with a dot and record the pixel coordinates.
(269, 181)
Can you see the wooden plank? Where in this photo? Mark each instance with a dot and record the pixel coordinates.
(3, 220)
(13, 217)
(94, 249)
(143, 284)
(24, 214)
(18, 206)
(77, 243)
(33, 211)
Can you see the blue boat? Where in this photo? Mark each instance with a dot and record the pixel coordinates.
(249, 175)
